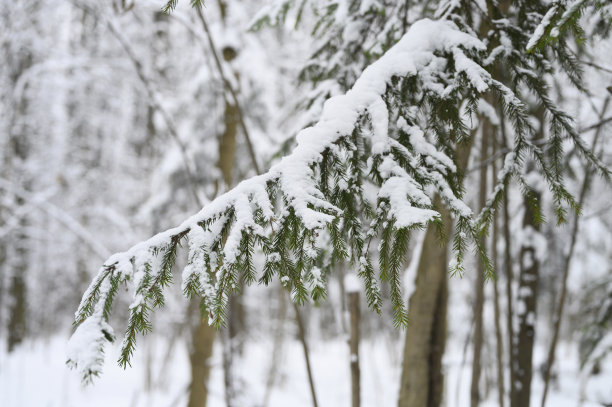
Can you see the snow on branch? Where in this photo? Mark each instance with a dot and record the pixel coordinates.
(315, 201)
(564, 15)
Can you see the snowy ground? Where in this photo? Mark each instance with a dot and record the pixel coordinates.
(35, 375)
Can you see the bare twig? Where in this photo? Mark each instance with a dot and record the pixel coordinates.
(61, 216)
(596, 125)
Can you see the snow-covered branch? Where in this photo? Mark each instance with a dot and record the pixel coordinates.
(317, 191)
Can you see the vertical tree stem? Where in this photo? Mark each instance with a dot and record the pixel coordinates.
(302, 336)
(487, 132)
(354, 348)
(497, 315)
(231, 90)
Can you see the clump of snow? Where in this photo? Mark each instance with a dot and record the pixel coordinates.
(86, 345)
(541, 28)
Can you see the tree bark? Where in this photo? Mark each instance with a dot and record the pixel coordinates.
(522, 345)
(422, 381)
(501, 392)
(18, 243)
(508, 271)
(526, 309)
(204, 334)
(488, 132)
(203, 337)
(354, 348)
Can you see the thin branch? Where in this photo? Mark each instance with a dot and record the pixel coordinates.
(13, 222)
(596, 125)
(61, 216)
(596, 66)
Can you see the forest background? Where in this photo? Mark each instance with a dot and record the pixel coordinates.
(119, 121)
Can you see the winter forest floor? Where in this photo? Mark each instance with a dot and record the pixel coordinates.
(35, 375)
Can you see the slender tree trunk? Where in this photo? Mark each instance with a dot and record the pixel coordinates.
(302, 335)
(204, 335)
(422, 381)
(526, 303)
(3, 274)
(488, 132)
(17, 295)
(277, 347)
(496, 309)
(18, 241)
(422, 378)
(508, 271)
(202, 343)
(527, 294)
(354, 348)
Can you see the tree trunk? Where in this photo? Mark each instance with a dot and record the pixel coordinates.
(302, 335)
(203, 337)
(18, 242)
(526, 311)
(522, 345)
(17, 294)
(422, 379)
(354, 348)
(509, 273)
(488, 132)
(501, 392)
